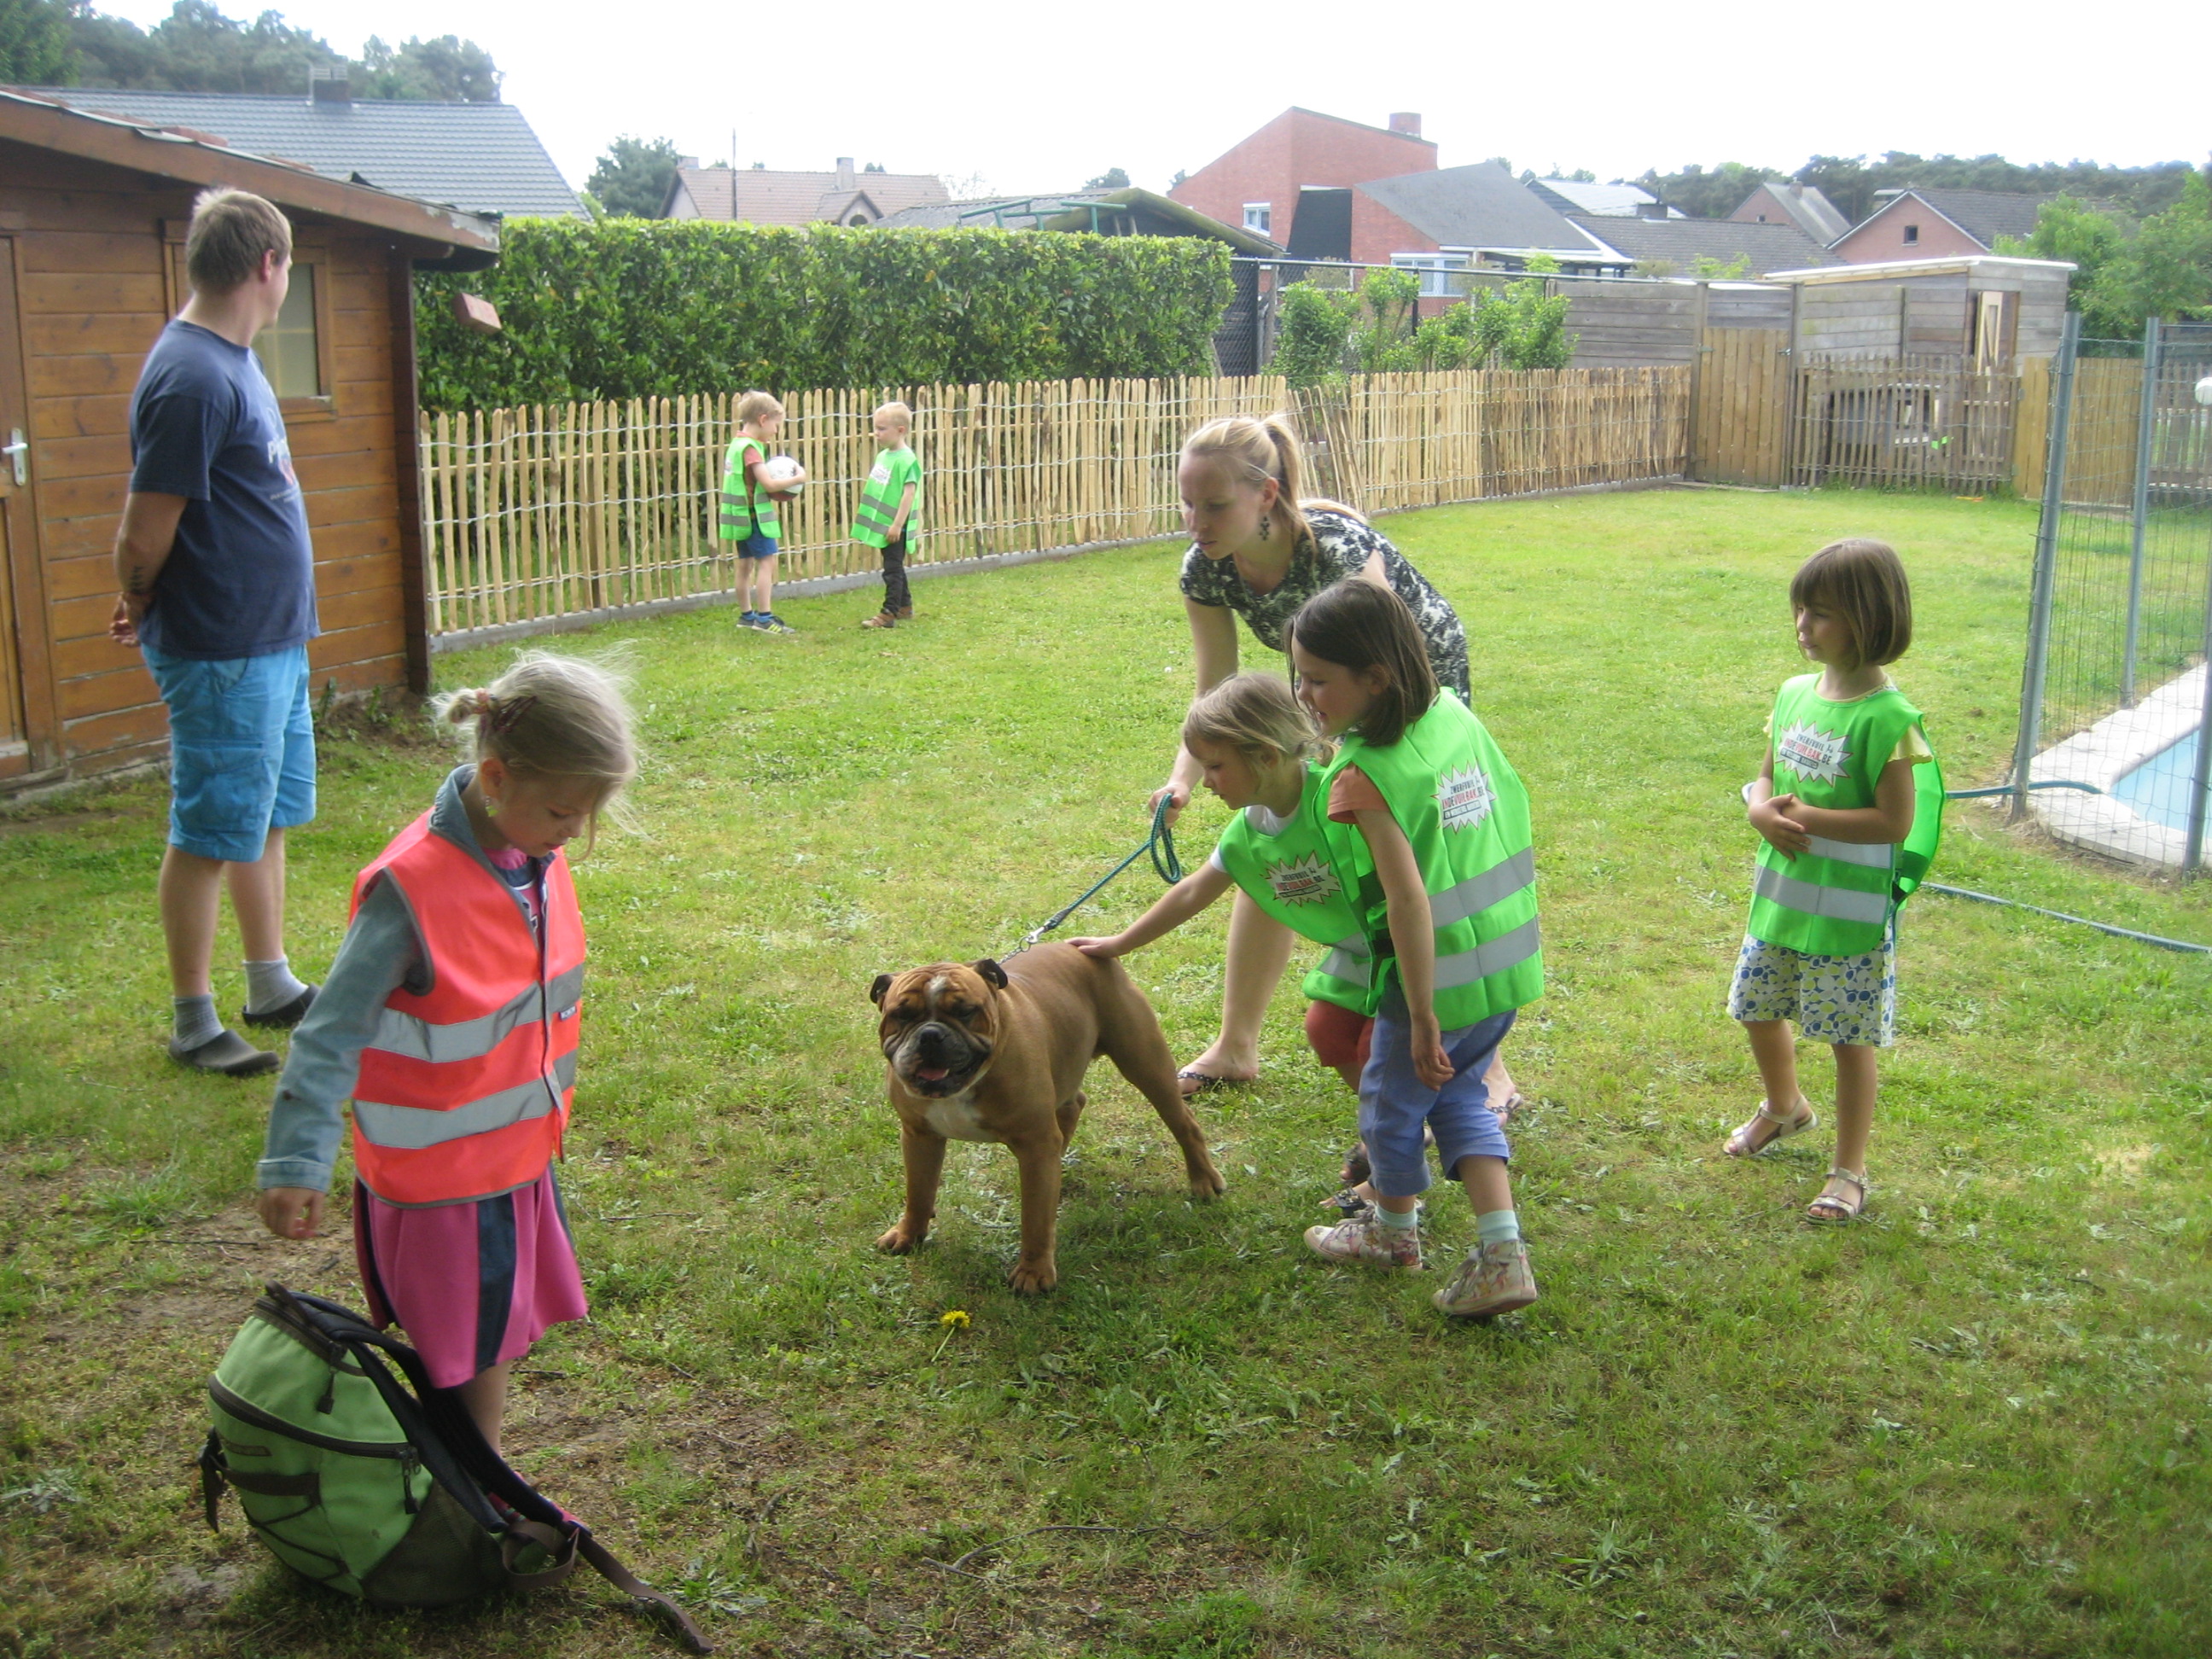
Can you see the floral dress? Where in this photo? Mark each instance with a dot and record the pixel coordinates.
(1337, 545)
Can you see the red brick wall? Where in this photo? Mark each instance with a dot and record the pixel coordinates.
(1299, 147)
(1882, 237)
(1378, 232)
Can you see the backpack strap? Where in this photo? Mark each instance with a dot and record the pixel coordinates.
(462, 1460)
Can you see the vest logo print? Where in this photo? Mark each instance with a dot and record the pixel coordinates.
(1812, 753)
(1465, 799)
(1304, 881)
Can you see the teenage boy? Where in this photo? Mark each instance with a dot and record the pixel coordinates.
(218, 591)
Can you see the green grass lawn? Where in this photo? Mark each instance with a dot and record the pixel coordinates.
(1974, 1426)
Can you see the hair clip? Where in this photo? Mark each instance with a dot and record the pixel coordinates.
(500, 721)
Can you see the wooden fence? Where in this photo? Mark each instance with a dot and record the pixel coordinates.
(534, 514)
(1907, 422)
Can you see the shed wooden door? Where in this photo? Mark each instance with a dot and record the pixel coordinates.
(27, 739)
(1743, 405)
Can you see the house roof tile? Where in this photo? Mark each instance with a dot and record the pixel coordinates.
(482, 158)
(1771, 246)
(1482, 205)
(771, 196)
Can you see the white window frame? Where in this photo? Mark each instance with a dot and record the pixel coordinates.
(1260, 218)
(1435, 270)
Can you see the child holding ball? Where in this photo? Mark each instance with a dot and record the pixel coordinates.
(750, 500)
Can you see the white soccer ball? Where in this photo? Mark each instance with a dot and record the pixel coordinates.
(2205, 391)
(782, 474)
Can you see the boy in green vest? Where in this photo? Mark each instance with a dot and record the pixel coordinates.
(749, 502)
(890, 509)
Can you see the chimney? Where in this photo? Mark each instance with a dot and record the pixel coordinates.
(1651, 209)
(844, 172)
(1408, 122)
(330, 85)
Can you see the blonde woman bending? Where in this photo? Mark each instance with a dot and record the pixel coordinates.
(1258, 551)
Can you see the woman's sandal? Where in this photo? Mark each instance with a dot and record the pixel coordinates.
(1741, 1144)
(1204, 1083)
(1832, 1209)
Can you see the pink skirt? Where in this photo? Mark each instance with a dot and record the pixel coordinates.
(472, 1285)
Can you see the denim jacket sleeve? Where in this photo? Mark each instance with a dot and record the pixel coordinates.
(381, 952)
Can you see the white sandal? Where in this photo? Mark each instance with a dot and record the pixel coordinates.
(1829, 1210)
(1739, 1144)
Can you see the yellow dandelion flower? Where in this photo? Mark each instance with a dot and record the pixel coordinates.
(955, 1319)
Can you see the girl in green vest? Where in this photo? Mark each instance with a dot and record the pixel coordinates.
(1850, 802)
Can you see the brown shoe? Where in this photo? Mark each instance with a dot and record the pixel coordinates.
(881, 619)
(904, 613)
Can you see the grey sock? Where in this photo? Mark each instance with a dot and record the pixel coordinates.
(196, 1022)
(269, 985)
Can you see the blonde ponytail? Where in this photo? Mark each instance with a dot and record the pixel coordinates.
(1255, 451)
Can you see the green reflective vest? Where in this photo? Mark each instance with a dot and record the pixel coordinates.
(1835, 899)
(746, 509)
(895, 469)
(1465, 813)
(1293, 873)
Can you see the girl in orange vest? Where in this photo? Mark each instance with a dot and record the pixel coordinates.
(450, 1019)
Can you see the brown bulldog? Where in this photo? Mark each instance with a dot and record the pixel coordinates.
(986, 1053)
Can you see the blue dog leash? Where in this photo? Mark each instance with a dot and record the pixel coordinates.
(1160, 844)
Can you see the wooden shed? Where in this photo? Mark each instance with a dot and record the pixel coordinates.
(93, 216)
(1985, 309)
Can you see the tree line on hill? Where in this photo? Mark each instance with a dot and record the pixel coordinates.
(1852, 182)
(67, 43)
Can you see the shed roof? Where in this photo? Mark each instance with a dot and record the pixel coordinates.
(482, 158)
(1482, 205)
(191, 158)
(1140, 213)
(1984, 215)
(1771, 246)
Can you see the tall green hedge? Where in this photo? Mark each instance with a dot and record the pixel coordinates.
(635, 308)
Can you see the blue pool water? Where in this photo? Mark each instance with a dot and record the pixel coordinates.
(2158, 790)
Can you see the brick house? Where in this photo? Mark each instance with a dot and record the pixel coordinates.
(1937, 224)
(1801, 205)
(771, 196)
(1262, 183)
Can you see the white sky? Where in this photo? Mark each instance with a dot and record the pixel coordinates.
(1039, 98)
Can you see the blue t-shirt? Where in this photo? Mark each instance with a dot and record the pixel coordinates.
(241, 579)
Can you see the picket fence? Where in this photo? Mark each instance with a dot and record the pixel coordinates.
(537, 513)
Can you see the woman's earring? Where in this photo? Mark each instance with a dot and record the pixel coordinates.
(1266, 527)
(491, 807)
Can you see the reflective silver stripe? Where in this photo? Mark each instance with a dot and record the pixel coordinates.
(1813, 899)
(1872, 855)
(1478, 893)
(1506, 950)
(412, 1037)
(412, 1128)
(1348, 962)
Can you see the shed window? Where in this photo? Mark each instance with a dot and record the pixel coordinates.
(287, 347)
(1911, 234)
(1259, 216)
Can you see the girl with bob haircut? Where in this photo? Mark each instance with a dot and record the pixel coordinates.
(1849, 802)
(450, 1019)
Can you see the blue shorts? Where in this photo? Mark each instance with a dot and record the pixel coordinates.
(241, 750)
(757, 546)
(1394, 1103)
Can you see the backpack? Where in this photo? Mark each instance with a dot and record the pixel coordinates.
(383, 1489)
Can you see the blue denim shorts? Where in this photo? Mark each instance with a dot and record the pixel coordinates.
(757, 546)
(241, 750)
(1395, 1103)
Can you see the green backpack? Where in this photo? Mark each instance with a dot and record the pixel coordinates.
(381, 1488)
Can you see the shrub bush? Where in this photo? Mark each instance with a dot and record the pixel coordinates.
(636, 308)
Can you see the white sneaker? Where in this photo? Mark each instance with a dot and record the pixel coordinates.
(1361, 1237)
(1493, 1279)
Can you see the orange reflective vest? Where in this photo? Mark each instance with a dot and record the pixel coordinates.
(465, 1091)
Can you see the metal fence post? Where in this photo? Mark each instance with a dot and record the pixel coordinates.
(2145, 421)
(2047, 563)
(2200, 775)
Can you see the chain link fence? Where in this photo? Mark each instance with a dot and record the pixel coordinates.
(2116, 713)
